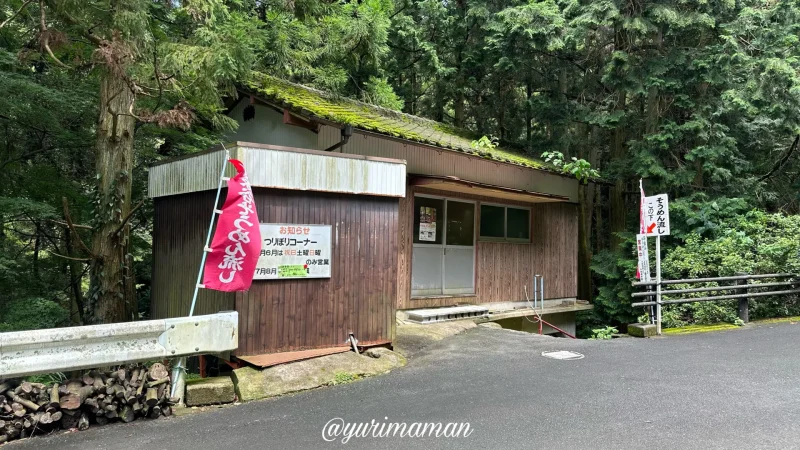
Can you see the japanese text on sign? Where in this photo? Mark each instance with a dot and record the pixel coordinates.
(427, 224)
(294, 251)
(656, 215)
(644, 258)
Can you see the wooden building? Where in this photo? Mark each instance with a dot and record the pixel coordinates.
(420, 219)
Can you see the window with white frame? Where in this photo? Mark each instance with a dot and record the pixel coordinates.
(505, 223)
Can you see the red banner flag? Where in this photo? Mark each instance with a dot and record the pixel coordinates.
(236, 246)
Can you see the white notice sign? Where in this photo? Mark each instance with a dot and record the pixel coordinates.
(427, 224)
(294, 251)
(644, 258)
(656, 215)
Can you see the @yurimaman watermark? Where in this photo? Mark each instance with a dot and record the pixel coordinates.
(338, 429)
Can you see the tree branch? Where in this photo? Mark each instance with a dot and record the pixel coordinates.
(64, 224)
(72, 228)
(15, 14)
(782, 160)
(128, 217)
(96, 40)
(70, 258)
(45, 35)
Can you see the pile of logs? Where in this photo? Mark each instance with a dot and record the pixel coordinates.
(132, 391)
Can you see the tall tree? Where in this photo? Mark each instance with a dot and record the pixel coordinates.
(166, 63)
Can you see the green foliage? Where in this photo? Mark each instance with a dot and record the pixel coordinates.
(484, 143)
(580, 168)
(752, 243)
(605, 333)
(32, 314)
(377, 91)
(699, 99)
(345, 377)
(47, 379)
(614, 272)
(755, 242)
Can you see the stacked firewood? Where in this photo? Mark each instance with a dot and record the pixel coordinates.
(132, 391)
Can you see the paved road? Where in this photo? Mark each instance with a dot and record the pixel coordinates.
(730, 389)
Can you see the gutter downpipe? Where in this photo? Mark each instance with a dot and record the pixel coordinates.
(347, 131)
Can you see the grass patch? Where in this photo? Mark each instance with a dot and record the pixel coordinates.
(690, 329)
(778, 320)
(345, 377)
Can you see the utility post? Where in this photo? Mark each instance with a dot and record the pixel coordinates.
(744, 306)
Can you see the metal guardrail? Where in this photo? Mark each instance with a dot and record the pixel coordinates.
(742, 283)
(34, 352)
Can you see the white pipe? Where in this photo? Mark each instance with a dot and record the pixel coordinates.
(178, 381)
(541, 287)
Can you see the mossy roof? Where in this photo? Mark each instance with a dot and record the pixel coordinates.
(315, 103)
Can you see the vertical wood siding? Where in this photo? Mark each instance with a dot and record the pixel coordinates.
(284, 315)
(503, 269)
(179, 229)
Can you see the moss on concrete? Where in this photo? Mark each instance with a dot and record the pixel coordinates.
(689, 329)
(381, 120)
(778, 320)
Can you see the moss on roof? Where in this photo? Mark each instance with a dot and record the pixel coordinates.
(312, 102)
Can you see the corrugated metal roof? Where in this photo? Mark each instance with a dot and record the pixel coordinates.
(283, 168)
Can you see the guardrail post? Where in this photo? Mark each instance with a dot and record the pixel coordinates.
(744, 306)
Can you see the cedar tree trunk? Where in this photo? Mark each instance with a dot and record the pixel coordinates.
(111, 295)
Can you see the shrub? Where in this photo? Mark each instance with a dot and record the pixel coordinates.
(32, 314)
(752, 243)
(604, 333)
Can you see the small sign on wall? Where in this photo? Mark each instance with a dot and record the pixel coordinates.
(427, 224)
(294, 251)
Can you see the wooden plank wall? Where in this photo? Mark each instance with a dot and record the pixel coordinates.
(503, 269)
(286, 315)
(180, 225)
(555, 242)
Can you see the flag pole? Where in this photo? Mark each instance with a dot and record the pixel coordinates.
(178, 381)
(642, 230)
(658, 285)
(206, 249)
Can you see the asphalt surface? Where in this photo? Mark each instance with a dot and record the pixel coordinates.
(728, 389)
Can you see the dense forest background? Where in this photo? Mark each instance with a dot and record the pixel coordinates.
(700, 99)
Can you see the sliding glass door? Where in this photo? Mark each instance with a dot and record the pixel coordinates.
(443, 261)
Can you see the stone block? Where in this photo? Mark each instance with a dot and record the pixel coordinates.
(209, 391)
(642, 330)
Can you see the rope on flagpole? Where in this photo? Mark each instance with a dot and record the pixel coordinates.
(179, 370)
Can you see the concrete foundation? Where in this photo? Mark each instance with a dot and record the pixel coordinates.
(565, 321)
